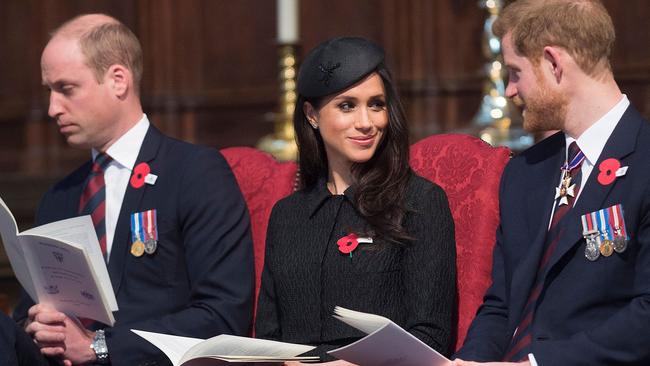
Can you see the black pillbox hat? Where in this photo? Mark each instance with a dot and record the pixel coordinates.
(337, 64)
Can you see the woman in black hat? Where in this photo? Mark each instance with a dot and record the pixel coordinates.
(363, 232)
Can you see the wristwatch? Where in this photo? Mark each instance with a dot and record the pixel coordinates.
(99, 347)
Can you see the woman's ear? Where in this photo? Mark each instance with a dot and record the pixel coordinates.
(311, 114)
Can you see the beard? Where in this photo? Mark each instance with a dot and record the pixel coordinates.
(544, 111)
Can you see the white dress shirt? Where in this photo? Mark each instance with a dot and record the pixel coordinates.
(592, 142)
(124, 153)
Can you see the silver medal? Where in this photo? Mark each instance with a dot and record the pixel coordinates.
(620, 244)
(150, 246)
(592, 250)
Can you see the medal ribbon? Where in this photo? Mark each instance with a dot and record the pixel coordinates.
(141, 228)
(150, 224)
(587, 224)
(604, 224)
(136, 227)
(619, 221)
(577, 160)
(596, 227)
(144, 226)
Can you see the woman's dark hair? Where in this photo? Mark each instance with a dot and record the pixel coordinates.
(380, 183)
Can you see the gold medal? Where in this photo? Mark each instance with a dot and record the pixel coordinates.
(606, 248)
(137, 248)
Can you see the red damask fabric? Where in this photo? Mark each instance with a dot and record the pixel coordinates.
(263, 181)
(468, 169)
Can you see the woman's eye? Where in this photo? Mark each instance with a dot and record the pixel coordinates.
(378, 105)
(346, 106)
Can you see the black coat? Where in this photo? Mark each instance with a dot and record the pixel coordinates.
(305, 275)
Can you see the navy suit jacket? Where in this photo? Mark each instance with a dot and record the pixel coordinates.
(199, 282)
(16, 347)
(589, 313)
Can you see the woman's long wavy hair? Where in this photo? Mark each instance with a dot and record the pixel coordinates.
(380, 183)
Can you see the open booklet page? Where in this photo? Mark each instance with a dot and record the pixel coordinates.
(60, 264)
(224, 349)
(79, 231)
(9, 232)
(386, 343)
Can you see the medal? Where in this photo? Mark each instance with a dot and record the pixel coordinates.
(137, 248)
(604, 232)
(566, 189)
(144, 229)
(591, 249)
(606, 248)
(617, 221)
(620, 244)
(150, 246)
(590, 234)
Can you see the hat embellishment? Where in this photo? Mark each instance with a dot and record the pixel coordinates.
(328, 71)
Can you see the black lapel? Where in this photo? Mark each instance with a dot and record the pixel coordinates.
(620, 144)
(543, 177)
(130, 204)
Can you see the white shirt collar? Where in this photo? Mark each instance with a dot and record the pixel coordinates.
(593, 140)
(125, 150)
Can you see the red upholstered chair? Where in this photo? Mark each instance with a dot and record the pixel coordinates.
(467, 168)
(263, 181)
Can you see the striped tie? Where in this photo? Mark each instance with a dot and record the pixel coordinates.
(520, 344)
(93, 198)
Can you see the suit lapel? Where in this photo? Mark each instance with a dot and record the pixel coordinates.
(594, 194)
(541, 189)
(130, 204)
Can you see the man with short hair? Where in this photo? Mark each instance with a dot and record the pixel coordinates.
(571, 273)
(169, 216)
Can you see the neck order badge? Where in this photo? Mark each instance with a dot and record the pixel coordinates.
(566, 189)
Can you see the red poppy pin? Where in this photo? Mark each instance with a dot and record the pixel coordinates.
(140, 172)
(348, 243)
(608, 171)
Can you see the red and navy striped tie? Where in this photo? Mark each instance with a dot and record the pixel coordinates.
(521, 340)
(93, 198)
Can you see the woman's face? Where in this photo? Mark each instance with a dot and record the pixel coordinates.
(351, 123)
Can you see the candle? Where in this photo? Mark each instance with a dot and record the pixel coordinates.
(287, 21)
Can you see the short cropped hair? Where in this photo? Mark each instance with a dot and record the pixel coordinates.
(582, 27)
(105, 44)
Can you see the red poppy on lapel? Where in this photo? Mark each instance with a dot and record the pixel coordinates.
(139, 173)
(348, 243)
(608, 170)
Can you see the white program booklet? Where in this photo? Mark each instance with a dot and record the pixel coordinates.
(386, 344)
(61, 264)
(224, 349)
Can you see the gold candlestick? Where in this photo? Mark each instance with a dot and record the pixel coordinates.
(281, 144)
